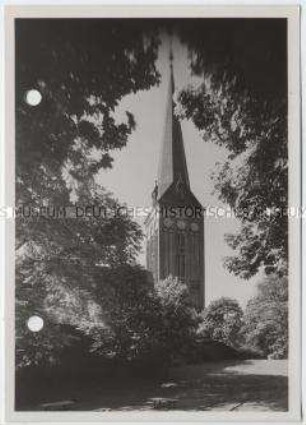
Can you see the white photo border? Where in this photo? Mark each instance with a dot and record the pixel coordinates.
(291, 12)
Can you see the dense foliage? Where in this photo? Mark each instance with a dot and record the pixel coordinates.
(261, 329)
(222, 321)
(144, 325)
(81, 82)
(58, 271)
(60, 145)
(240, 103)
(180, 320)
(266, 318)
(81, 274)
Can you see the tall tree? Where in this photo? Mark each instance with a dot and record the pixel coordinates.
(82, 69)
(241, 104)
(222, 321)
(147, 325)
(266, 318)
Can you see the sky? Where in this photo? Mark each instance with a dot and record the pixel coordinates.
(135, 169)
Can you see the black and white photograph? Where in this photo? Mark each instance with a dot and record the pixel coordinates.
(153, 268)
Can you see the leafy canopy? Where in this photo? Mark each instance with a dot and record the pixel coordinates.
(82, 68)
(266, 318)
(222, 321)
(241, 104)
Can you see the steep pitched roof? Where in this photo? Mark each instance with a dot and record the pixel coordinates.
(172, 163)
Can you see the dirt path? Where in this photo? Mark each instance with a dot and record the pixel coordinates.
(245, 385)
(250, 385)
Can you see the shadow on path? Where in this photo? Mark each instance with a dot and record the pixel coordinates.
(211, 386)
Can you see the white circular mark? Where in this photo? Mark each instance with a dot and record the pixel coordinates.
(35, 323)
(33, 97)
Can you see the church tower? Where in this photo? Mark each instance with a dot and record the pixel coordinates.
(175, 225)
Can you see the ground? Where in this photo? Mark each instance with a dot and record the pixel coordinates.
(229, 386)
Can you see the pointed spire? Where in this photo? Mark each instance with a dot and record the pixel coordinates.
(172, 164)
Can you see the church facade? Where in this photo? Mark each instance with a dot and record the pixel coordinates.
(175, 225)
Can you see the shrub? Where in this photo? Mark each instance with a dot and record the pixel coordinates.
(222, 321)
(266, 318)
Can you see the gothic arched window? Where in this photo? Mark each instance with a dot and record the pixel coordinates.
(195, 256)
(181, 255)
